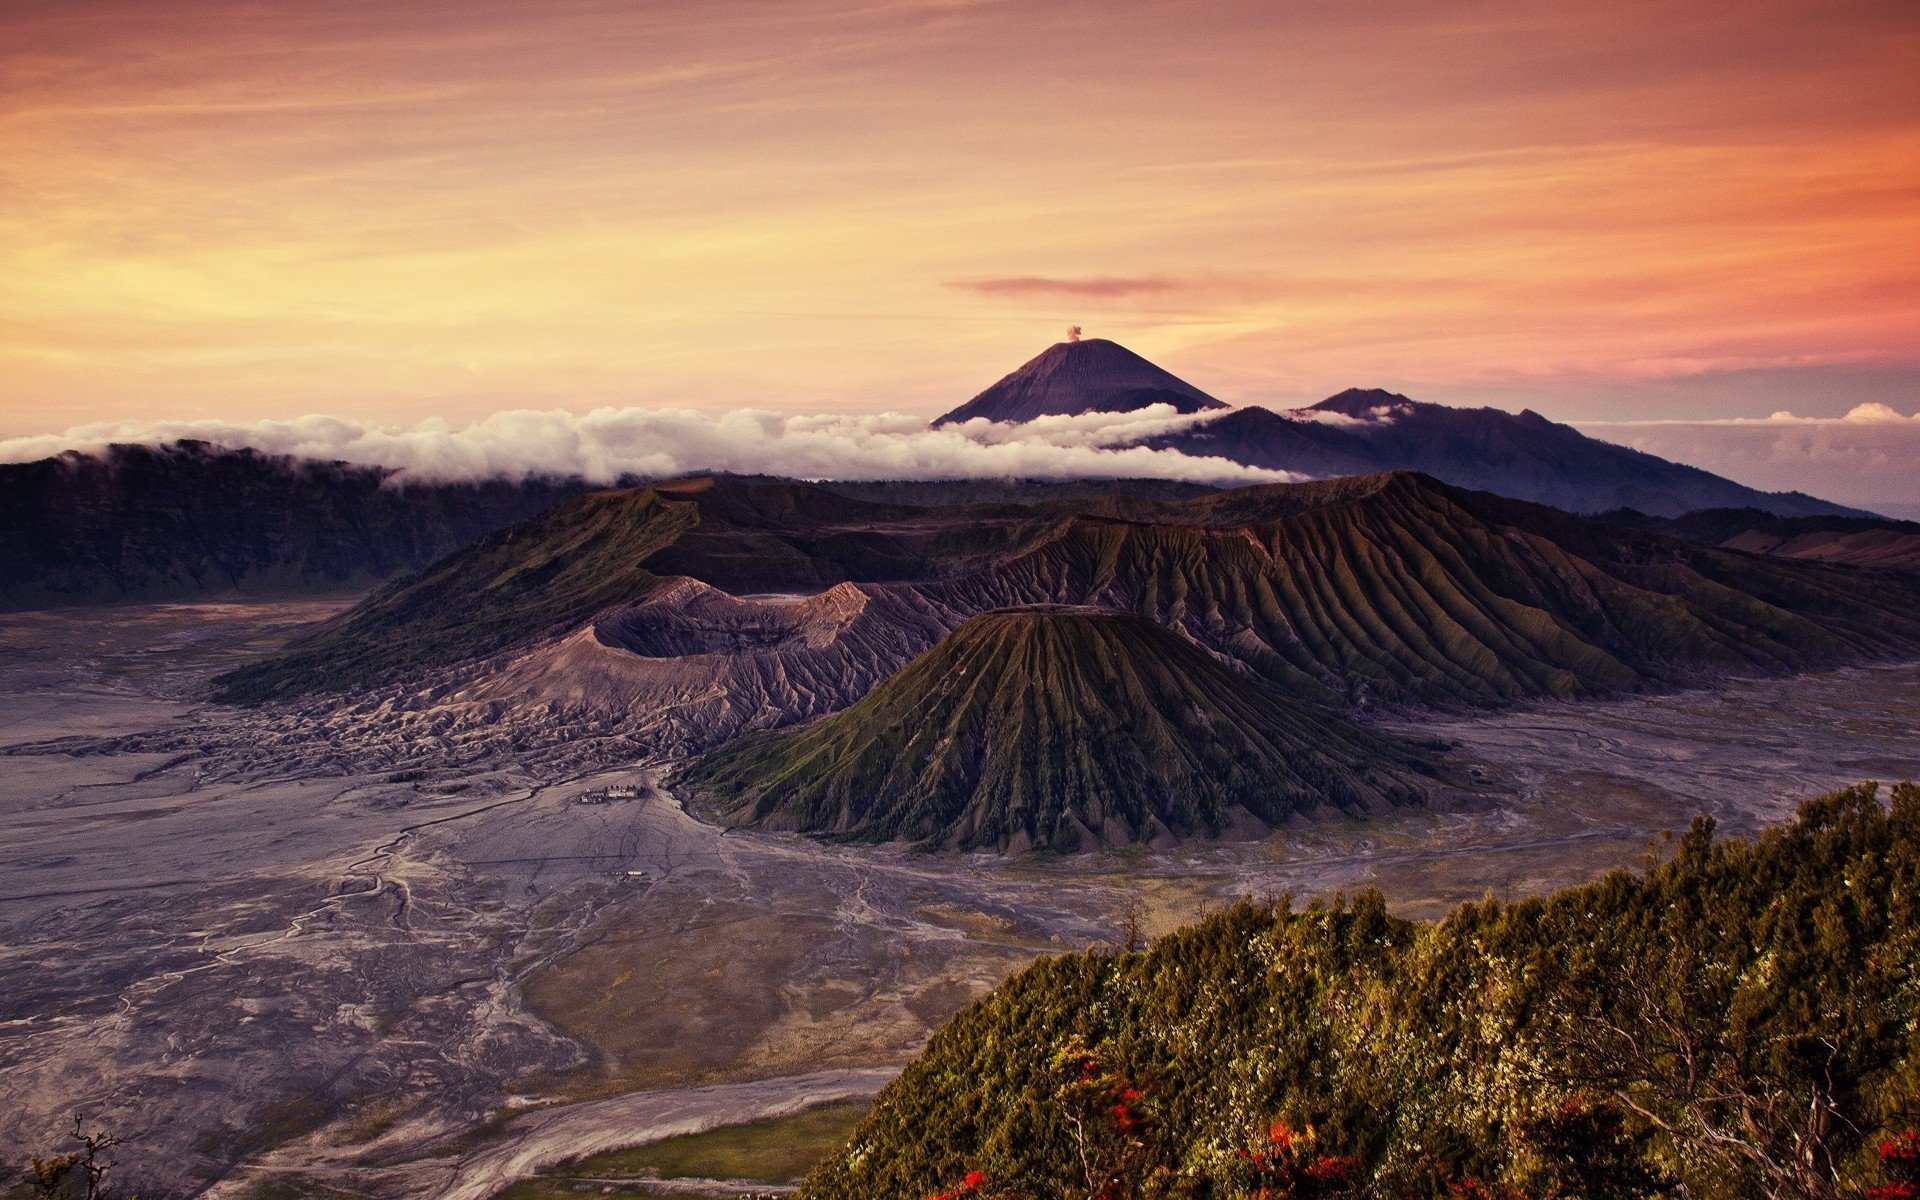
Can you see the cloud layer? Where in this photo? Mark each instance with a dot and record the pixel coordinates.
(1870, 457)
(609, 443)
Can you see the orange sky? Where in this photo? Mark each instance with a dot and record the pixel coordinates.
(446, 207)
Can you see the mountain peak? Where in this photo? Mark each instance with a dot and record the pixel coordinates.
(1361, 402)
(1094, 375)
(962, 748)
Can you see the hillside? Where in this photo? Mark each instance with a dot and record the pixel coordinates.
(1058, 729)
(534, 579)
(1069, 378)
(595, 555)
(1396, 588)
(1859, 541)
(1736, 1023)
(1385, 589)
(188, 520)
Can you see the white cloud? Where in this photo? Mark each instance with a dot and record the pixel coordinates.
(1380, 414)
(1870, 457)
(1877, 412)
(608, 443)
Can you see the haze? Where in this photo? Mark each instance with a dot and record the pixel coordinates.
(391, 212)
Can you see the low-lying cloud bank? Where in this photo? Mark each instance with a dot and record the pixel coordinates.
(1866, 458)
(1869, 458)
(608, 444)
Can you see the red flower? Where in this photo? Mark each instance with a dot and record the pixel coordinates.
(1901, 1152)
(973, 1181)
(1328, 1169)
(1893, 1191)
(1281, 1134)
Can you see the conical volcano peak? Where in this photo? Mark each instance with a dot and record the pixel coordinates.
(1057, 727)
(1083, 376)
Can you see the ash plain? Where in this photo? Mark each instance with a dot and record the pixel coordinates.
(287, 955)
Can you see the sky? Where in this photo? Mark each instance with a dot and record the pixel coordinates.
(394, 213)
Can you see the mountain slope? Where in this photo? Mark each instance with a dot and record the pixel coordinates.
(1060, 729)
(1502, 1044)
(1389, 588)
(597, 554)
(1401, 589)
(534, 579)
(1067, 378)
(1521, 455)
(172, 522)
(1859, 541)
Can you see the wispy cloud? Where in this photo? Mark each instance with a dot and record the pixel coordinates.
(1097, 287)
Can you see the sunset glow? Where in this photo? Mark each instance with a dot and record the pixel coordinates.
(390, 212)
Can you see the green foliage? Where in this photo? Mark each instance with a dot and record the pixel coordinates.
(1056, 729)
(1741, 1021)
(776, 1150)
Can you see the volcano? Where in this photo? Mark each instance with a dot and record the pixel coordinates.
(1069, 378)
(1058, 728)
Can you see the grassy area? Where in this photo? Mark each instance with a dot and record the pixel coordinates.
(778, 1150)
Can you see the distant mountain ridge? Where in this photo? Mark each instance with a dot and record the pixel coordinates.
(189, 519)
(1364, 431)
(1861, 541)
(1523, 455)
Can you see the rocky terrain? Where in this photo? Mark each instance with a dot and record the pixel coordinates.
(669, 619)
(295, 951)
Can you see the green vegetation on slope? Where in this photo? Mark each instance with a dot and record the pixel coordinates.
(1057, 729)
(1400, 589)
(778, 1150)
(541, 577)
(1741, 1021)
